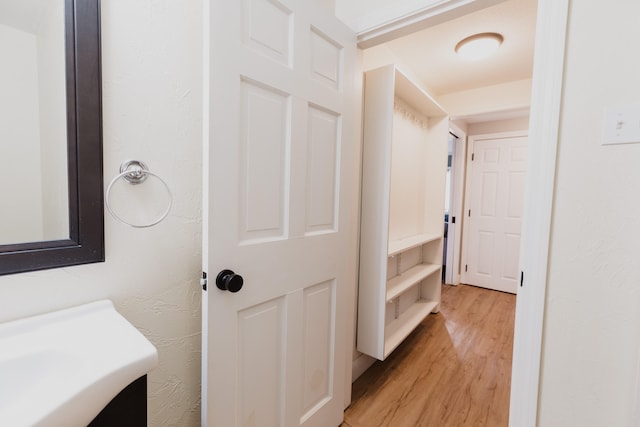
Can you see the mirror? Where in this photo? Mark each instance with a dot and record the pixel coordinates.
(33, 122)
(50, 135)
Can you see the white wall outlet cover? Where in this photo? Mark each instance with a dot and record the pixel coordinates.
(621, 124)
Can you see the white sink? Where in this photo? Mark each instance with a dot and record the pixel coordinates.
(63, 368)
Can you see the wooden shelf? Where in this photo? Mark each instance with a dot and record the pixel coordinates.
(401, 283)
(397, 246)
(398, 330)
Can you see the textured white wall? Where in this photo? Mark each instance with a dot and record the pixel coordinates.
(507, 96)
(151, 61)
(497, 126)
(591, 334)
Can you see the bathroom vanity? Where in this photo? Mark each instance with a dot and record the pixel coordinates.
(72, 366)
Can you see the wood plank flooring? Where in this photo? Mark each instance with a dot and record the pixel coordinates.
(453, 370)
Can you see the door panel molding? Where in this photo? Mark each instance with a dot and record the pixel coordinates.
(281, 144)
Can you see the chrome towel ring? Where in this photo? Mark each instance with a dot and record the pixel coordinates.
(136, 172)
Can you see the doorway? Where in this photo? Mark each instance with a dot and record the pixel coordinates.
(546, 97)
(450, 229)
(380, 56)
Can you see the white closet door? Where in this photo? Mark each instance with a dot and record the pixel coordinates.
(494, 215)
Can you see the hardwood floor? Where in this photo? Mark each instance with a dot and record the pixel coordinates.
(453, 370)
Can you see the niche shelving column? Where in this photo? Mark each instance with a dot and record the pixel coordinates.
(403, 187)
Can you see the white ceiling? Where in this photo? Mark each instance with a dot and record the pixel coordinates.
(430, 53)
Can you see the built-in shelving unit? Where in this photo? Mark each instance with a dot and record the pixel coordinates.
(403, 184)
(401, 245)
(404, 324)
(411, 277)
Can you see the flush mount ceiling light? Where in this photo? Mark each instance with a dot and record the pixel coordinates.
(479, 46)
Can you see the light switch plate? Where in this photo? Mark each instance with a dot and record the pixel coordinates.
(621, 124)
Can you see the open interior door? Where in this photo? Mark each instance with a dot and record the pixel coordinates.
(281, 176)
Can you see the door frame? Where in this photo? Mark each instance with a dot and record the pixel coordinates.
(458, 176)
(544, 126)
(468, 185)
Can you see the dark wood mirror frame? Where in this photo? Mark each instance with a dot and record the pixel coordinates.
(84, 141)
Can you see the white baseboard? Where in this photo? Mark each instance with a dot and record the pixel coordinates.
(360, 365)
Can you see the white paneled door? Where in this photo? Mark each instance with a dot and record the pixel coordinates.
(495, 203)
(280, 189)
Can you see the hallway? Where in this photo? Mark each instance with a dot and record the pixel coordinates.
(453, 370)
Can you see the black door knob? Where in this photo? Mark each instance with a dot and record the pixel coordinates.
(227, 280)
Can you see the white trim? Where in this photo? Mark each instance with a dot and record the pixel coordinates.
(544, 122)
(352, 310)
(206, 134)
(457, 195)
(495, 115)
(360, 365)
(373, 30)
(465, 207)
(498, 135)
